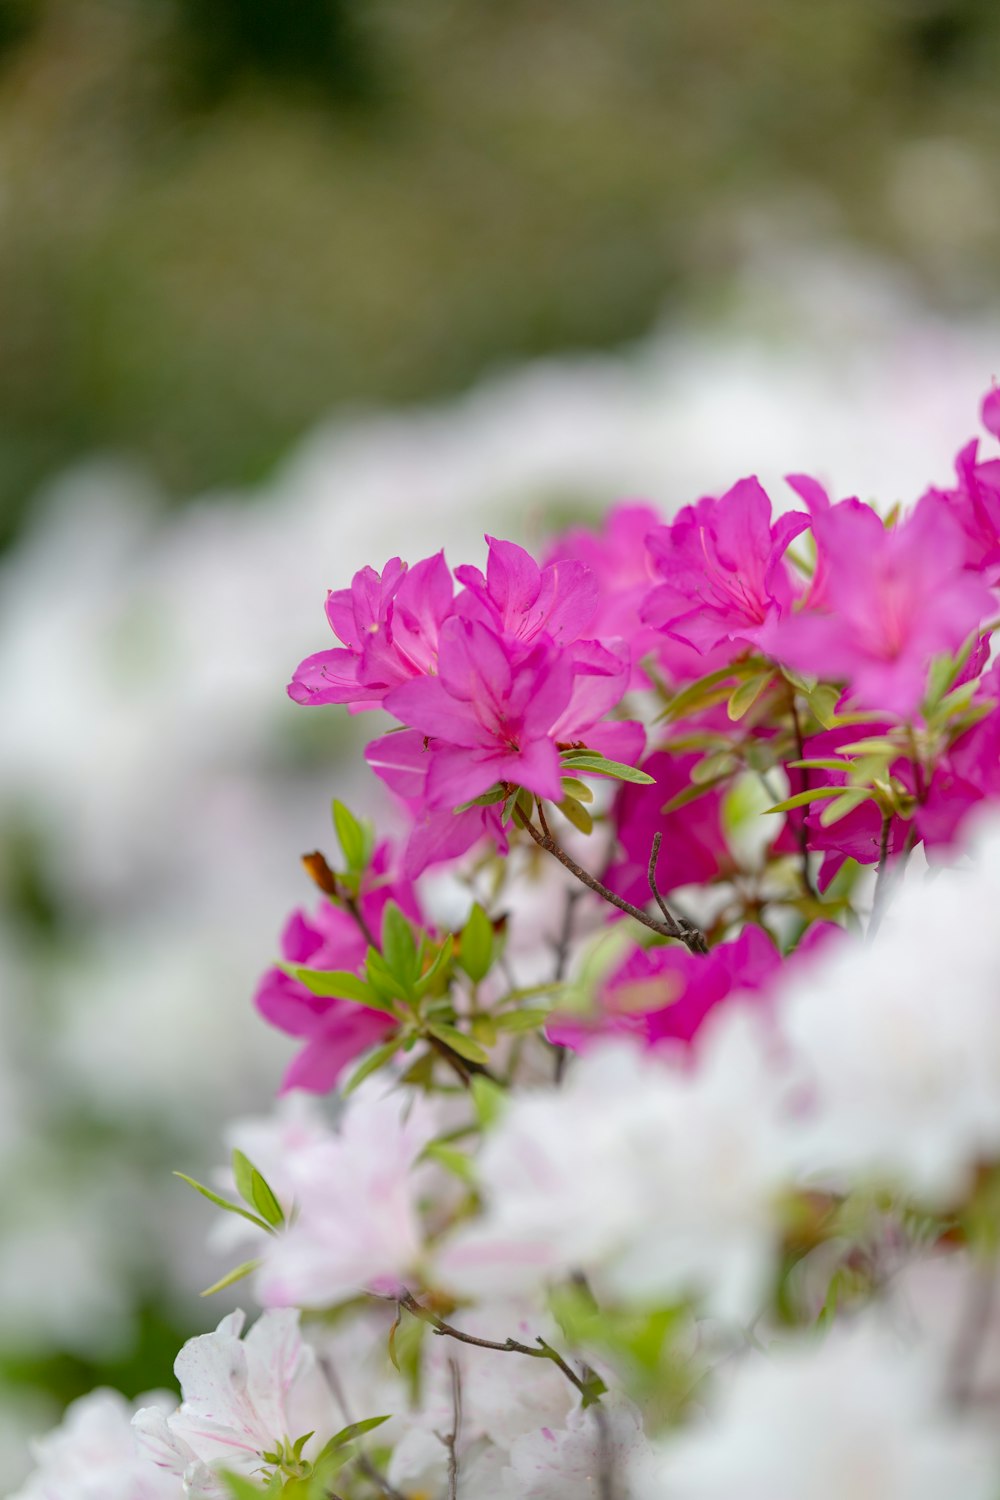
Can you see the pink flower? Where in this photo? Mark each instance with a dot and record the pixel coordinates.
(489, 712)
(693, 848)
(722, 562)
(401, 760)
(664, 994)
(520, 600)
(967, 775)
(389, 625)
(975, 501)
(890, 601)
(335, 1031)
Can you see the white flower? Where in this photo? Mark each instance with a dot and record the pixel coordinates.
(242, 1398)
(93, 1455)
(601, 1443)
(849, 1417)
(655, 1178)
(899, 1040)
(357, 1226)
(503, 1396)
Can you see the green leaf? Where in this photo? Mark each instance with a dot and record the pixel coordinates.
(354, 838)
(383, 981)
(691, 794)
(714, 768)
(844, 804)
(231, 1277)
(347, 1435)
(876, 744)
(520, 1020)
(459, 1042)
(577, 814)
(455, 1162)
(441, 959)
(339, 984)
(371, 1064)
(487, 799)
(574, 787)
(399, 946)
(824, 763)
(713, 688)
(220, 1202)
(255, 1191)
(823, 700)
(743, 698)
(241, 1488)
(488, 1098)
(475, 945)
(803, 799)
(599, 765)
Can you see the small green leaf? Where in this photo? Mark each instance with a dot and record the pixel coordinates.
(383, 981)
(241, 1488)
(231, 1277)
(714, 768)
(876, 744)
(339, 984)
(455, 1162)
(484, 1030)
(440, 961)
(803, 799)
(599, 765)
(520, 1020)
(354, 838)
(488, 1098)
(691, 794)
(577, 814)
(371, 1064)
(475, 945)
(265, 1201)
(844, 804)
(399, 946)
(220, 1202)
(743, 698)
(487, 799)
(347, 1435)
(706, 692)
(823, 700)
(824, 763)
(459, 1042)
(574, 787)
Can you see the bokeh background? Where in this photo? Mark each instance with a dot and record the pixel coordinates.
(287, 286)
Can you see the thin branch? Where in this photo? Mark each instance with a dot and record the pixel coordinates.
(561, 947)
(353, 905)
(881, 879)
(450, 1440)
(362, 1460)
(606, 1487)
(801, 830)
(690, 936)
(508, 1346)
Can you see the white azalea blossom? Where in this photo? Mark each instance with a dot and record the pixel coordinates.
(356, 1192)
(654, 1177)
(852, 1416)
(241, 1398)
(93, 1455)
(897, 1042)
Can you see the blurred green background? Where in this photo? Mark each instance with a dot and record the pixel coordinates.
(221, 219)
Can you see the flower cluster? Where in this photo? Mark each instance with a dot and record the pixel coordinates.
(664, 1155)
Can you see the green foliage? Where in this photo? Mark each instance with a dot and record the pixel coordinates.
(220, 1202)
(594, 764)
(356, 838)
(255, 1191)
(475, 945)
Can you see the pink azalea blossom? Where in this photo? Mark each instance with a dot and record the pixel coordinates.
(722, 562)
(491, 710)
(693, 848)
(335, 1031)
(389, 624)
(974, 503)
(891, 600)
(966, 776)
(664, 994)
(519, 599)
(401, 760)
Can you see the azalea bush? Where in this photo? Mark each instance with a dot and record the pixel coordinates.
(644, 1136)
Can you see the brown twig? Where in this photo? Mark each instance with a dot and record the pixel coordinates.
(881, 879)
(450, 1440)
(801, 829)
(692, 938)
(508, 1346)
(606, 1487)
